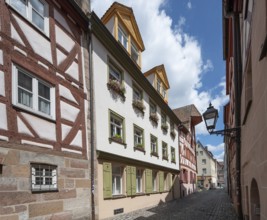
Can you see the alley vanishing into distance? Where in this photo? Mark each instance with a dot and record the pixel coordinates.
(206, 205)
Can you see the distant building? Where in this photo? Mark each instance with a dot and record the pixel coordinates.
(207, 168)
(190, 117)
(220, 174)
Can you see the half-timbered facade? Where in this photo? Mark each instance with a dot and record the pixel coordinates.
(43, 107)
(190, 117)
(136, 131)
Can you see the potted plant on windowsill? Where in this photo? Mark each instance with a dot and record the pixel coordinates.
(139, 105)
(154, 117)
(117, 87)
(164, 127)
(139, 147)
(173, 134)
(165, 158)
(117, 138)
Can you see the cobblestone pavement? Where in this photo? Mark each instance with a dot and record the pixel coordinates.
(206, 205)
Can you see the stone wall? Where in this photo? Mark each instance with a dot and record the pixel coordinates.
(71, 201)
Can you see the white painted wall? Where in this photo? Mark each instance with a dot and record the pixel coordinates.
(104, 102)
(110, 25)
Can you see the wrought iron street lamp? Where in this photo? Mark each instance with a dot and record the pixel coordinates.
(210, 117)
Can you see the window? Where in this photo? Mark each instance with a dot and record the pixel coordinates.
(173, 154)
(116, 127)
(203, 161)
(36, 11)
(33, 94)
(204, 171)
(134, 52)
(164, 151)
(139, 180)
(201, 153)
(138, 137)
(123, 38)
(43, 177)
(137, 94)
(116, 180)
(152, 108)
(154, 145)
(114, 73)
(154, 181)
(163, 119)
(158, 85)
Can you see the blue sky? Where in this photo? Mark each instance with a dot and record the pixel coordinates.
(185, 36)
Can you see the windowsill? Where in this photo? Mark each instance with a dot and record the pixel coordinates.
(140, 194)
(116, 89)
(117, 140)
(165, 158)
(32, 112)
(139, 107)
(173, 161)
(35, 191)
(118, 196)
(154, 154)
(140, 149)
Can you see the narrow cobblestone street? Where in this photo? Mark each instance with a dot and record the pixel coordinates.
(206, 205)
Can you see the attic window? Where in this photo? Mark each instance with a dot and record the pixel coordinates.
(123, 38)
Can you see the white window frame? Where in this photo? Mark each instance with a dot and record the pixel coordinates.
(43, 187)
(153, 144)
(138, 138)
(35, 80)
(164, 152)
(114, 180)
(139, 179)
(124, 37)
(113, 72)
(28, 14)
(204, 161)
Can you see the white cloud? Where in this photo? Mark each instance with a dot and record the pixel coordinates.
(167, 43)
(213, 149)
(219, 157)
(189, 5)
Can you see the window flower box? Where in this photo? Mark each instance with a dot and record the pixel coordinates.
(117, 138)
(153, 117)
(165, 158)
(164, 127)
(173, 134)
(117, 87)
(139, 105)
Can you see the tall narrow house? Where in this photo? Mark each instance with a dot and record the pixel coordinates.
(43, 107)
(190, 117)
(136, 135)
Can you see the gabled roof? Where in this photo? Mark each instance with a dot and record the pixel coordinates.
(160, 71)
(188, 114)
(126, 16)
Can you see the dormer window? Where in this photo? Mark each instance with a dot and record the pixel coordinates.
(134, 52)
(123, 38)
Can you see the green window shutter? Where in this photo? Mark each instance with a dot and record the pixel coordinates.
(148, 181)
(107, 180)
(161, 181)
(128, 181)
(170, 181)
(133, 176)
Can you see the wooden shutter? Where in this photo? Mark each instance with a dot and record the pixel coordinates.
(130, 180)
(107, 180)
(161, 181)
(148, 181)
(133, 177)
